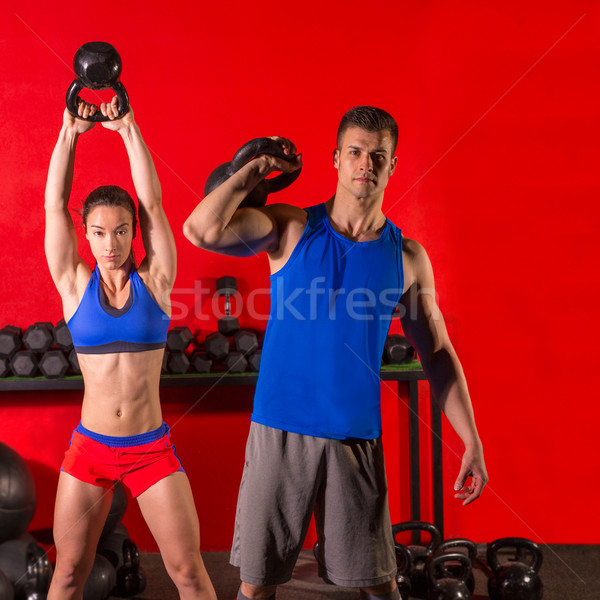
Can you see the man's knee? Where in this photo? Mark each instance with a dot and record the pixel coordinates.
(385, 591)
(256, 592)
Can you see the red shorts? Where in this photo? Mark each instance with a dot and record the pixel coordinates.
(137, 461)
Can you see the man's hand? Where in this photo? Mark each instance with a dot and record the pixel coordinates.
(473, 466)
(278, 164)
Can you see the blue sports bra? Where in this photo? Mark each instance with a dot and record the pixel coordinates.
(98, 328)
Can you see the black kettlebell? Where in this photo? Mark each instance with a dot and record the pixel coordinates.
(403, 566)
(515, 580)
(111, 545)
(258, 196)
(131, 577)
(442, 587)
(97, 66)
(451, 570)
(100, 581)
(419, 553)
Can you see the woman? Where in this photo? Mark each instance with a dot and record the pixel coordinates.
(118, 316)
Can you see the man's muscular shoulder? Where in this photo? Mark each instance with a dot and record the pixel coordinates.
(416, 262)
(290, 222)
(286, 214)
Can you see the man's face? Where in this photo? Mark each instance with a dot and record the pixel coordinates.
(364, 161)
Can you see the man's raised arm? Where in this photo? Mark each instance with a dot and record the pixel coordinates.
(219, 225)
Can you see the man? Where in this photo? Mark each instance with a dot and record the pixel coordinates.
(338, 269)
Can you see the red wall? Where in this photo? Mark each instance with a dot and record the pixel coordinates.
(498, 112)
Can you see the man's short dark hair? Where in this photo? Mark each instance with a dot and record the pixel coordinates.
(368, 118)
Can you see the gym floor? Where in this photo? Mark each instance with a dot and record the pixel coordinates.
(569, 572)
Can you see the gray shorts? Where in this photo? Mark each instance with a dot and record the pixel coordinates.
(286, 477)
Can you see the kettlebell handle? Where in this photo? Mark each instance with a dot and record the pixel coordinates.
(266, 145)
(258, 196)
(263, 145)
(513, 542)
(404, 559)
(458, 543)
(77, 86)
(446, 545)
(430, 528)
(439, 559)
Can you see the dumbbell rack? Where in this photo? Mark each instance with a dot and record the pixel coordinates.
(409, 374)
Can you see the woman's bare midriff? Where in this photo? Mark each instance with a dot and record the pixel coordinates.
(121, 395)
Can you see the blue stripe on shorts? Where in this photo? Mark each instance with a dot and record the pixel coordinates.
(130, 440)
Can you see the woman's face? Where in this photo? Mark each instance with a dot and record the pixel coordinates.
(109, 230)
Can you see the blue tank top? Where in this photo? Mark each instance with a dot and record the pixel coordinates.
(331, 305)
(98, 328)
